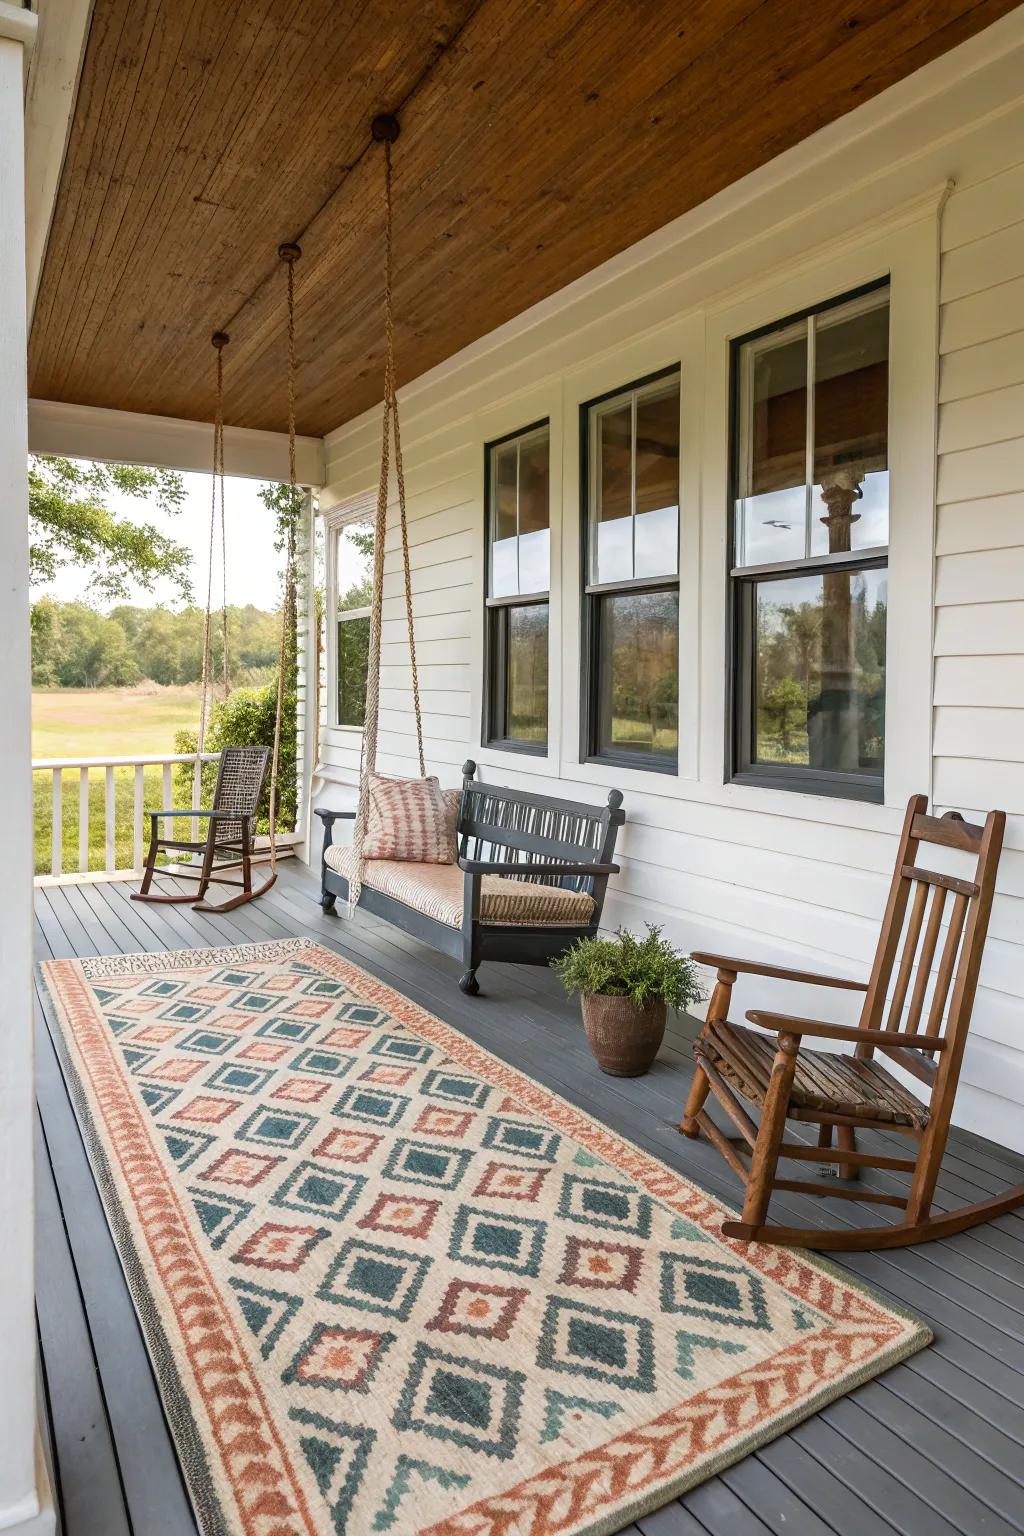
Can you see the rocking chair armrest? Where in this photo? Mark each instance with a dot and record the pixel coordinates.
(223, 815)
(330, 817)
(786, 1024)
(514, 867)
(776, 972)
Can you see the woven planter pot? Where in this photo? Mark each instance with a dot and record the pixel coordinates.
(624, 1038)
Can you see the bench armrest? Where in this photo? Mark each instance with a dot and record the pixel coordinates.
(777, 972)
(518, 867)
(329, 818)
(784, 1024)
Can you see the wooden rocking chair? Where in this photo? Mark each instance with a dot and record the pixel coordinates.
(230, 836)
(841, 1093)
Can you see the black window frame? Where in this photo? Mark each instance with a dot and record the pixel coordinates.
(591, 594)
(741, 587)
(494, 732)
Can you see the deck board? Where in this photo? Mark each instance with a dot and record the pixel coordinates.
(933, 1447)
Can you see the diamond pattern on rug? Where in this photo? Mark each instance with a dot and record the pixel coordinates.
(712, 1290)
(375, 1279)
(615, 1348)
(494, 1240)
(463, 1400)
(403, 1288)
(276, 1246)
(340, 1359)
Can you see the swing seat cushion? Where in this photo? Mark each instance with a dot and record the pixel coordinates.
(411, 820)
(436, 890)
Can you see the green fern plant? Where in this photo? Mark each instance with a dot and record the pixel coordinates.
(646, 970)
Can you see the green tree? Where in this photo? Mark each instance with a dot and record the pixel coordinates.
(784, 709)
(158, 647)
(72, 523)
(87, 650)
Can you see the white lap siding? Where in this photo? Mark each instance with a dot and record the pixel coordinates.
(767, 873)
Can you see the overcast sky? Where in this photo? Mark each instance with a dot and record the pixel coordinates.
(253, 563)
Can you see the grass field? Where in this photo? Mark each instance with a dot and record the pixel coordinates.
(103, 722)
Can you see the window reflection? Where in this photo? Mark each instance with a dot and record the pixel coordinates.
(520, 514)
(354, 565)
(851, 415)
(519, 568)
(656, 536)
(774, 506)
(785, 512)
(354, 580)
(527, 672)
(638, 655)
(353, 654)
(635, 497)
(820, 671)
(614, 508)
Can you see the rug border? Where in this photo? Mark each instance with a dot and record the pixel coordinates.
(94, 968)
(174, 1399)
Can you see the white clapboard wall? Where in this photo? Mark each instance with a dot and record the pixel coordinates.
(764, 873)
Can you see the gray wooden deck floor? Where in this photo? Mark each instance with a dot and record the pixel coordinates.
(933, 1448)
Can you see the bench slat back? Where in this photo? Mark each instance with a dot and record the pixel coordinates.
(498, 823)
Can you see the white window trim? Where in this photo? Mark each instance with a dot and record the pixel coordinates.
(909, 257)
(677, 344)
(748, 572)
(356, 509)
(591, 588)
(904, 245)
(543, 402)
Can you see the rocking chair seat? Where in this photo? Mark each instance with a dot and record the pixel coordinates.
(437, 890)
(833, 1084)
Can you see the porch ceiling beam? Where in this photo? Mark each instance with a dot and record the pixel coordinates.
(167, 442)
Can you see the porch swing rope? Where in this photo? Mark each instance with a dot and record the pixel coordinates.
(289, 254)
(220, 341)
(368, 760)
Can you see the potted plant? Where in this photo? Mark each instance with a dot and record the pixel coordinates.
(626, 984)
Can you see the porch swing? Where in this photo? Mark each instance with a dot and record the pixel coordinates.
(230, 841)
(481, 873)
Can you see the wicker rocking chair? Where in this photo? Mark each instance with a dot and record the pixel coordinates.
(229, 839)
(843, 1093)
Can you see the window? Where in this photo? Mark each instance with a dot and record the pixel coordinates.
(517, 495)
(631, 575)
(810, 540)
(353, 580)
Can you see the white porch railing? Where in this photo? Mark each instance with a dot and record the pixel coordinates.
(112, 768)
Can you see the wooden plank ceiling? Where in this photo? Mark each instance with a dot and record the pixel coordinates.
(539, 137)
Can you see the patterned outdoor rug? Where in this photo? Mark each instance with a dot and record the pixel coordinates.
(388, 1283)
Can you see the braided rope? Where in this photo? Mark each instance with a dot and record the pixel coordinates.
(223, 559)
(288, 598)
(368, 757)
(219, 342)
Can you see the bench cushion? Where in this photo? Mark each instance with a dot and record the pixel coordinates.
(436, 890)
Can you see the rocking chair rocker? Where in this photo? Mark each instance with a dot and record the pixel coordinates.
(230, 836)
(843, 1093)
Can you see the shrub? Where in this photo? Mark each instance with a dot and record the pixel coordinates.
(647, 970)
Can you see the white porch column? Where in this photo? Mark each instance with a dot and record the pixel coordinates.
(19, 1496)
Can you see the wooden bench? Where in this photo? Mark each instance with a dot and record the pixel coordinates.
(530, 878)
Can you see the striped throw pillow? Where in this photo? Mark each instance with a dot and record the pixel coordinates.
(410, 821)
